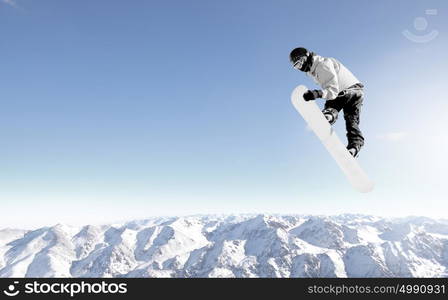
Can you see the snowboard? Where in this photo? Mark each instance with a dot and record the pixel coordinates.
(321, 127)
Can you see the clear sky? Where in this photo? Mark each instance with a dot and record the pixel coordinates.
(116, 110)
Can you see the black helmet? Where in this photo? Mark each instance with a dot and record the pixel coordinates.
(297, 53)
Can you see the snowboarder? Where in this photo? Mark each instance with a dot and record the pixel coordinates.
(340, 88)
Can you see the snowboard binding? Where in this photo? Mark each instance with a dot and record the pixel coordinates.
(331, 115)
(354, 150)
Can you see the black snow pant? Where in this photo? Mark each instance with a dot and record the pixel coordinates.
(350, 100)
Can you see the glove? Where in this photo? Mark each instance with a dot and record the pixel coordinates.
(312, 94)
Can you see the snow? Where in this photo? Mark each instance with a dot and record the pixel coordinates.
(8, 235)
(232, 246)
(369, 234)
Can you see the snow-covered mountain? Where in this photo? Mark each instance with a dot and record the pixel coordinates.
(232, 246)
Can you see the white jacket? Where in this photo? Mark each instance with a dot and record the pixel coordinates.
(331, 75)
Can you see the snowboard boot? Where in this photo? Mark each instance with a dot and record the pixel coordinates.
(329, 118)
(331, 115)
(354, 150)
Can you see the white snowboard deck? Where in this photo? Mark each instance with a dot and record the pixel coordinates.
(320, 126)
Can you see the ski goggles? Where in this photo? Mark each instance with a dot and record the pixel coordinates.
(299, 62)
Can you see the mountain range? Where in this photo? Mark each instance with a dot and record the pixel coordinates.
(232, 246)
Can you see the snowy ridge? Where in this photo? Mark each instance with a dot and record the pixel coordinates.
(232, 246)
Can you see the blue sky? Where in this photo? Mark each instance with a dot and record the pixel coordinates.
(114, 110)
